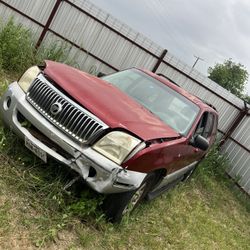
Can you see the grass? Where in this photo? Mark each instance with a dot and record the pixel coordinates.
(207, 212)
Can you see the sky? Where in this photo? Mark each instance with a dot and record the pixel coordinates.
(214, 30)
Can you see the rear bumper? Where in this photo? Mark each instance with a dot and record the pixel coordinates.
(108, 177)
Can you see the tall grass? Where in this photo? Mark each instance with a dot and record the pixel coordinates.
(17, 49)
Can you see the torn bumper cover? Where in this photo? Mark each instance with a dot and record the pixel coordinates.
(100, 173)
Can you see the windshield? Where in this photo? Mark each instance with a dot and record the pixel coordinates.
(172, 108)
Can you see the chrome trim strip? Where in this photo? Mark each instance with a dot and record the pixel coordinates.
(72, 115)
(175, 175)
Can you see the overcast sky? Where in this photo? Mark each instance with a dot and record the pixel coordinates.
(214, 30)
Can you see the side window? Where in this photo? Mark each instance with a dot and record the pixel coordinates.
(201, 125)
(205, 126)
(209, 125)
(215, 125)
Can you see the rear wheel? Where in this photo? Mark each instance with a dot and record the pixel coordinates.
(115, 206)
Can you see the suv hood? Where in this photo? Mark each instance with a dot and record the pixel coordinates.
(108, 103)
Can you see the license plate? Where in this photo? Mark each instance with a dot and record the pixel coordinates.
(35, 149)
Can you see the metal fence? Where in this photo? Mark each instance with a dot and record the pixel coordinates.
(101, 43)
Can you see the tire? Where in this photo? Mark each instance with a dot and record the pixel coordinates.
(115, 206)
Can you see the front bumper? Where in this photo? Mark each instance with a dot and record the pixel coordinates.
(108, 177)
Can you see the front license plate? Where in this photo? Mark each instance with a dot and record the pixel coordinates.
(35, 149)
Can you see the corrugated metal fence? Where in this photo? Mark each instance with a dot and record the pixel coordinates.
(101, 43)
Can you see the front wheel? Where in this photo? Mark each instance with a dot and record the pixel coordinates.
(115, 206)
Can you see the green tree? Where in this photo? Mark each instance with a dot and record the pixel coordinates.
(230, 76)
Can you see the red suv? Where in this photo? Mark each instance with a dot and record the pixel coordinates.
(130, 135)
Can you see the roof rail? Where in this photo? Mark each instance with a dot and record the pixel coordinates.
(160, 74)
(209, 104)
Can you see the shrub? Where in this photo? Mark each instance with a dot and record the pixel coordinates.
(213, 168)
(17, 49)
(58, 51)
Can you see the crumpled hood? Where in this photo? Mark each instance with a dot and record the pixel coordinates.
(108, 103)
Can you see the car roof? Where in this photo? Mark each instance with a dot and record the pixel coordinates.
(199, 102)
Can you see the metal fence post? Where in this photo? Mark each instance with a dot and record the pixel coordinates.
(164, 52)
(243, 113)
(46, 27)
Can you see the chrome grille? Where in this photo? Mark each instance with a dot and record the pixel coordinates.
(68, 116)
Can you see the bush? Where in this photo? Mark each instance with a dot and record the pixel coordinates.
(17, 49)
(58, 51)
(213, 168)
(215, 163)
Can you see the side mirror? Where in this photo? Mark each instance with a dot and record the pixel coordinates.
(200, 142)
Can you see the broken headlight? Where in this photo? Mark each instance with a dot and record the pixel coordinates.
(116, 145)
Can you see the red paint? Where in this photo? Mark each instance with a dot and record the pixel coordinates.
(108, 103)
(172, 155)
(120, 111)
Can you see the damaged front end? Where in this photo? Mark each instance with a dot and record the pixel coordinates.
(59, 127)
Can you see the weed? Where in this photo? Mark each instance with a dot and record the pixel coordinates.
(42, 185)
(17, 49)
(212, 168)
(85, 206)
(57, 51)
(4, 217)
(214, 164)
(3, 85)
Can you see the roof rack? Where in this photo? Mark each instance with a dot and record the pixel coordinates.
(209, 104)
(160, 74)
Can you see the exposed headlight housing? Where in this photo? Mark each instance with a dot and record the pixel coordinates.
(28, 77)
(116, 145)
